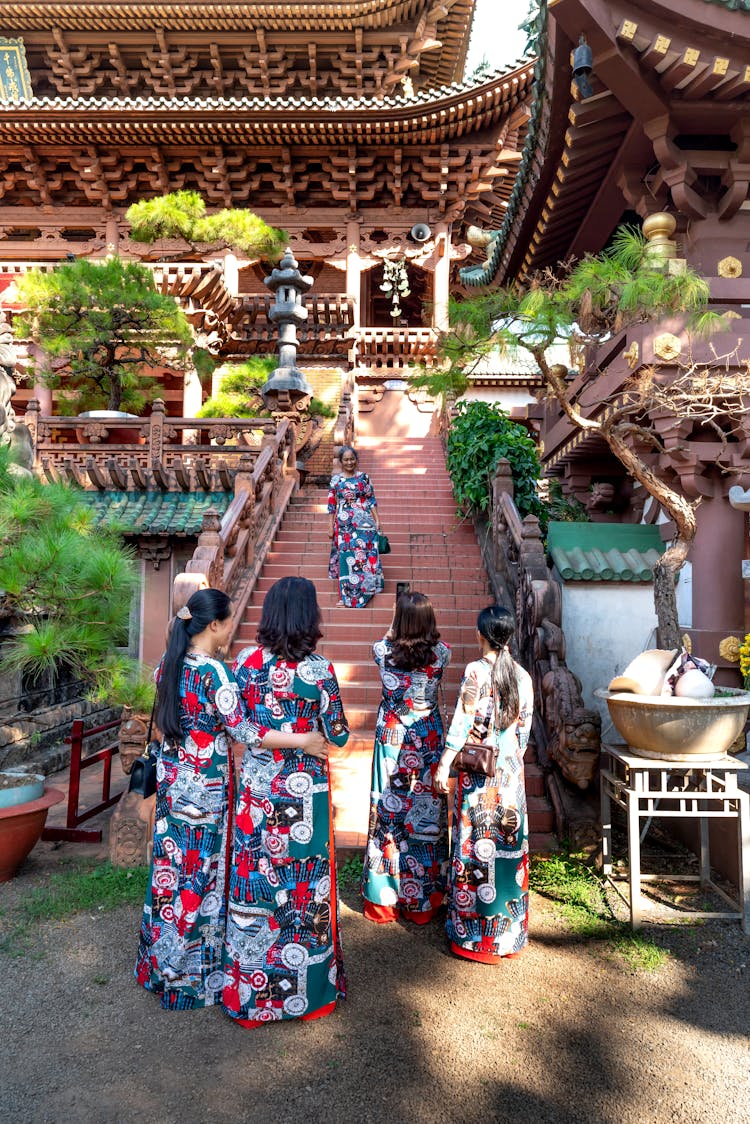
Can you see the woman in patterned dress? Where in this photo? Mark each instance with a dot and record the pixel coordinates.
(184, 916)
(406, 860)
(283, 953)
(488, 896)
(353, 529)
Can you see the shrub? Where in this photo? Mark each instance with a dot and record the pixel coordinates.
(480, 435)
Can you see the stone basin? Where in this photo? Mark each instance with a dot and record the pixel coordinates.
(678, 729)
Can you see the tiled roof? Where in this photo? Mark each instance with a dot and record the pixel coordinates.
(233, 15)
(446, 111)
(155, 513)
(521, 71)
(604, 552)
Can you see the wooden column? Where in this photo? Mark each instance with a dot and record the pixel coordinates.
(192, 394)
(441, 277)
(353, 269)
(231, 274)
(156, 607)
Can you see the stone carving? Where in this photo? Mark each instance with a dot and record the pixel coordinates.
(131, 830)
(601, 497)
(574, 731)
(132, 737)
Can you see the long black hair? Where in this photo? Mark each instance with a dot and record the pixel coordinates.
(495, 624)
(204, 606)
(290, 620)
(414, 632)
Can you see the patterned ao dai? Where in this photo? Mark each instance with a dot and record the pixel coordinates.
(184, 916)
(283, 953)
(354, 562)
(407, 847)
(488, 896)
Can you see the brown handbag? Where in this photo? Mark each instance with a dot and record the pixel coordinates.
(476, 757)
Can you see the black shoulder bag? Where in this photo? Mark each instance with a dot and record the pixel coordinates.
(143, 773)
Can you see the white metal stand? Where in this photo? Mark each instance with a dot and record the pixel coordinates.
(703, 789)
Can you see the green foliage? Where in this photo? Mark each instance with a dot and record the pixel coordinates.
(204, 362)
(318, 409)
(479, 436)
(101, 325)
(68, 583)
(125, 685)
(239, 392)
(83, 887)
(570, 880)
(238, 395)
(182, 214)
(563, 509)
(350, 873)
(167, 216)
(596, 297)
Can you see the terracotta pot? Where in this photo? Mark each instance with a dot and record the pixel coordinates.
(678, 729)
(20, 828)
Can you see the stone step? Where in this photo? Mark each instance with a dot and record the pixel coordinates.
(375, 621)
(317, 571)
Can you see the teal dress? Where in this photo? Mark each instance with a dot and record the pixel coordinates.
(282, 957)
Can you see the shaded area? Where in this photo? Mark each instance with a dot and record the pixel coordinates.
(566, 1033)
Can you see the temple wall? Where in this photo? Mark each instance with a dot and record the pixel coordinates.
(606, 624)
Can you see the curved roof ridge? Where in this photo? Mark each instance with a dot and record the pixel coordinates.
(521, 72)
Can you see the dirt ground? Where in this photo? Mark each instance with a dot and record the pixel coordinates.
(569, 1032)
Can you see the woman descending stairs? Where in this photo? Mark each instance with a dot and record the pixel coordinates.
(436, 553)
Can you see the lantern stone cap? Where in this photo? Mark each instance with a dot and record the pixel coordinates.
(287, 273)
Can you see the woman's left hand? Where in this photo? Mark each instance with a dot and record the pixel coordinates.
(316, 745)
(440, 780)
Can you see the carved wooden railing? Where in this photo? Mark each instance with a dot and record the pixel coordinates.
(389, 351)
(231, 548)
(567, 732)
(253, 457)
(155, 453)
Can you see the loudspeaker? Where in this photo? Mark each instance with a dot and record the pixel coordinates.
(420, 232)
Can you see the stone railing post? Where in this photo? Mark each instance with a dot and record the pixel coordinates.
(156, 431)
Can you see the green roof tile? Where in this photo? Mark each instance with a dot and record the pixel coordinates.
(613, 552)
(155, 513)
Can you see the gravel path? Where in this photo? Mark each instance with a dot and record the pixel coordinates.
(567, 1033)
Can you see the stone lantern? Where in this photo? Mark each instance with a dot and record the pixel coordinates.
(287, 390)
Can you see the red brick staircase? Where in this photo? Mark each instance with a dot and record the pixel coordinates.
(432, 550)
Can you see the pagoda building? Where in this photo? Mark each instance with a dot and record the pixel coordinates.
(348, 125)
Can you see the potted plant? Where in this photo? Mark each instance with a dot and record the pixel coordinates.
(24, 803)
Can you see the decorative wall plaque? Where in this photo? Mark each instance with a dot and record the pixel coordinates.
(15, 80)
(729, 267)
(667, 346)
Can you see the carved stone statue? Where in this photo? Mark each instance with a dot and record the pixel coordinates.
(574, 731)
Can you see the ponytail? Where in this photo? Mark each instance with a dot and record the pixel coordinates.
(204, 606)
(495, 624)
